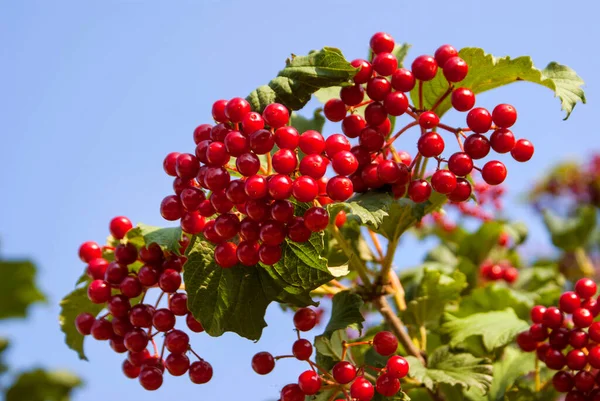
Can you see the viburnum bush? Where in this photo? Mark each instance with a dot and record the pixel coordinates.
(270, 208)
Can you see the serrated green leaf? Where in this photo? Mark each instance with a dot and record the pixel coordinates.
(507, 369)
(17, 288)
(352, 234)
(435, 291)
(487, 72)
(345, 312)
(400, 51)
(168, 238)
(478, 245)
(495, 297)
(461, 369)
(330, 349)
(236, 299)
(303, 124)
(497, 328)
(303, 76)
(72, 305)
(572, 232)
(42, 385)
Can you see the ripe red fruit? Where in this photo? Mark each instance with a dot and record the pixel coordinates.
(101, 330)
(169, 163)
(431, 144)
(559, 338)
(385, 63)
(252, 122)
(444, 53)
(352, 95)
(225, 255)
(177, 364)
(555, 359)
(419, 190)
(200, 372)
(563, 381)
(460, 163)
(84, 322)
(502, 140)
(553, 318)
(344, 372)
(116, 344)
(177, 341)
(336, 143)
(585, 381)
(292, 392)
(361, 389)
(396, 103)
(382, 42)
(169, 281)
(236, 109)
(269, 254)
(96, 268)
(523, 150)
(479, 120)
(279, 186)
(309, 382)
(428, 120)
(118, 305)
(537, 313)
(339, 188)
(163, 320)
(576, 359)
(119, 226)
(170, 208)
(316, 219)
(397, 366)
(462, 99)
(247, 253)
(305, 319)
(391, 172)
(443, 181)
(568, 302)
(526, 343)
(385, 343)
(256, 187)
(193, 324)
(285, 161)
(462, 192)
(235, 144)
(375, 114)
(334, 110)
(585, 288)
(378, 88)
(582, 318)
(297, 231)
(151, 378)
(510, 274)
(178, 304)
(504, 115)
(352, 125)
(302, 349)
(276, 115)
(89, 251)
(493, 172)
(594, 357)
(455, 69)
(218, 110)
(344, 163)
(130, 370)
(305, 189)
(387, 385)
(365, 70)
(403, 80)
(261, 142)
(312, 142)
(263, 363)
(99, 291)
(424, 68)
(248, 164)
(578, 338)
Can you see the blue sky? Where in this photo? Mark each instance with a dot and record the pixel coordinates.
(94, 94)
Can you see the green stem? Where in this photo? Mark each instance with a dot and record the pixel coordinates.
(538, 385)
(355, 262)
(583, 262)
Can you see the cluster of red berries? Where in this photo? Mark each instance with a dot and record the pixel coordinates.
(382, 87)
(249, 210)
(129, 324)
(502, 270)
(567, 339)
(349, 380)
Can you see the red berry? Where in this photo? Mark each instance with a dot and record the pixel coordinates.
(493, 172)
(385, 63)
(555, 359)
(371, 140)
(193, 324)
(177, 364)
(576, 359)
(396, 103)
(169, 281)
(455, 69)
(302, 349)
(263, 363)
(269, 254)
(477, 146)
(504, 115)
(177, 341)
(424, 68)
(563, 381)
(247, 253)
(523, 150)
(510, 274)
(130, 370)
(443, 181)
(585, 288)
(284, 161)
(569, 301)
(84, 322)
(419, 190)
(378, 88)
(537, 313)
(236, 109)
(479, 120)
(376, 114)
(200, 372)
(365, 70)
(97, 268)
(276, 115)
(297, 231)
(187, 166)
(578, 338)
(89, 250)
(279, 186)
(585, 381)
(99, 291)
(387, 385)
(101, 330)
(163, 320)
(287, 138)
(305, 319)
(559, 338)
(526, 343)
(119, 226)
(502, 140)
(256, 187)
(336, 143)
(178, 304)
(594, 357)
(339, 188)
(460, 163)
(169, 163)
(305, 189)
(218, 111)
(225, 255)
(217, 178)
(261, 142)
(344, 163)
(397, 366)
(252, 122)
(391, 172)
(247, 164)
(403, 80)
(462, 192)
(428, 120)
(151, 378)
(462, 99)
(344, 372)
(316, 219)
(361, 389)
(352, 95)
(385, 343)
(353, 125)
(171, 208)
(444, 53)
(235, 144)
(312, 142)
(334, 110)
(292, 392)
(582, 318)
(382, 42)
(431, 144)
(309, 382)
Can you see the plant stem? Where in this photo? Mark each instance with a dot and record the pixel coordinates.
(398, 291)
(269, 164)
(423, 333)
(441, 99)
(377, 245)
(356, 263)
(538, 384)
(397, 134)
(397, 327)
(420, 95)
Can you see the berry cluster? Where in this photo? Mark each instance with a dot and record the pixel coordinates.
(502, 270)
(130, 324)
(350, 381)
(250, 212)
(567, 336)
(381, 86)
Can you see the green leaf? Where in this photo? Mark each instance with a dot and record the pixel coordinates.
(487, 72)
(435, 291)
(478, 245)
(345, 312)
(303, 124)
(573, 232)
(461, 369)
(72, 305)
(303, 76)
(351, 232)
(517, 231)
(511, 366)
(167, 238)
(495, 297)
(400, 51)
(497, 328)
(400, 396)
(236, 299)
(330, 349)
(42, 385)
(17, 288)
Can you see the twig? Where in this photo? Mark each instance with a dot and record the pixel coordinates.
(354, 260)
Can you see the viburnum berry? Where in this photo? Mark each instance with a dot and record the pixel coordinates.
(385, 63)
(462, 192)
(335, 110)
(343, 372)
(225, 255)
(365, 70)
(582, 317)
(397, 366)
(494, 172)
(276, 115)
(462, 99)
(269, 254)
(403, 80)
(309, 382)
(424, 68)
(504, 115)
(419, 190)
(522, 151)
(362, 389)
(563, 381)
(585, 288)
(305, 189)
(99, 291)
(305, 319)
(119, 226)
(339, 188)
(443, 181)
(316, 219)
(431, 144)
(378, 88)
(89, 251)
(569, 301)
(177, 364)
(352, 95)
(444, 53)
(553, 317)
(84, 322)
(312, 142)
(261, 142)
(263, 363)
(169, 163)
(200, 372)
(460, 163)
(385, 343)
(428, 120)
(375, 114)
(477, 146)
(387, 385)
(502, 140)
(479, 120)
(292, 392)
(302, 349)
(396, 103)
(151, 378)
(382, 42)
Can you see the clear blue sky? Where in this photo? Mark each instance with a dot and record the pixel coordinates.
(94, 94)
